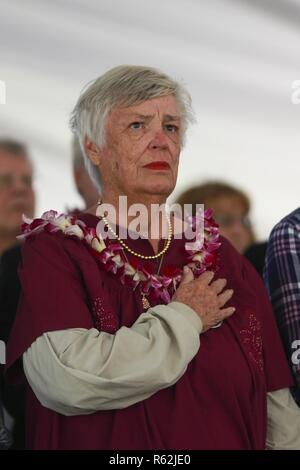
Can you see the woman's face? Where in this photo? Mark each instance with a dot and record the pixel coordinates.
(230, 214)
(142, 149)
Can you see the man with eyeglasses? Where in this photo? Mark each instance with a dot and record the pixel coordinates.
(16, 198)
(16, 191)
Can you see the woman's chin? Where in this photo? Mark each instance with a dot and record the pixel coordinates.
(159, 191)
(158, 187)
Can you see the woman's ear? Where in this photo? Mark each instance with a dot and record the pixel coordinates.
(92, 151)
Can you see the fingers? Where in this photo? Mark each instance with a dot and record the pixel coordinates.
(219, 285)
(206, 277)
(187, 276)
(227, 312)
(223, 314)
(224, 297)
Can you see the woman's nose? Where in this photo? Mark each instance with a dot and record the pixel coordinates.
(159, 139)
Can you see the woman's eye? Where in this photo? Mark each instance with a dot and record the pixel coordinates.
(171, 128)
(136, 125)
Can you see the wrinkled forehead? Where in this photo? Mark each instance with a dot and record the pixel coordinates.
(165, 107)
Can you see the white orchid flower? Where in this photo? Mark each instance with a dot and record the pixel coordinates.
(118, 260)
(74, 230)
(62, 222)
(98, 245)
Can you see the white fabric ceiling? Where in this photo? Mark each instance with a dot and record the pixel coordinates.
(238, 59)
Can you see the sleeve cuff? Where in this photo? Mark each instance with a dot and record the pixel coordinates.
(189, 314)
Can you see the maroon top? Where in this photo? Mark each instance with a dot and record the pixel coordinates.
(220, 401)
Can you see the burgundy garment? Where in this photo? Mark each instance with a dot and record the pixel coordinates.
(219, 403)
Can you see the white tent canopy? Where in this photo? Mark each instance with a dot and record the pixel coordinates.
(238, 58)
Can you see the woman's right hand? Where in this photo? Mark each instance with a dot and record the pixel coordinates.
(205, 297)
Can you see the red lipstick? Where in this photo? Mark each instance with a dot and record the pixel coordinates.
(158, 166)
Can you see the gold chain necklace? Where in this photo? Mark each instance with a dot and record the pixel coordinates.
(138, 255)
(145, 301)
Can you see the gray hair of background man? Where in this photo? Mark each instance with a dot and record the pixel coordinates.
(126, 85)
(13, 147)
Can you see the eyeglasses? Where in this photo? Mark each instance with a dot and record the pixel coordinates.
(229, 220)
(8, 180)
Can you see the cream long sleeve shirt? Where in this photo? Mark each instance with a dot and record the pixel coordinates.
(79, 371)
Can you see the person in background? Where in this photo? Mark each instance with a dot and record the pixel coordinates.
(282, 280)
(231, 208)
(17, 197)
(16, 190)
(84, 182)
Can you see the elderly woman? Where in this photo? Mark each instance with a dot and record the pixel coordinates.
(128, 342)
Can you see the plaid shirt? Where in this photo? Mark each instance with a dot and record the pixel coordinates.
(282, 280)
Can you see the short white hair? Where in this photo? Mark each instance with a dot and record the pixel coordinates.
(122, 86)
(77, 155)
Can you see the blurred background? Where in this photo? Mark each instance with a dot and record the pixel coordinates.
(238, 58)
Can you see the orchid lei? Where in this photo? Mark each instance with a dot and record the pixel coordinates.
(202, 255)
